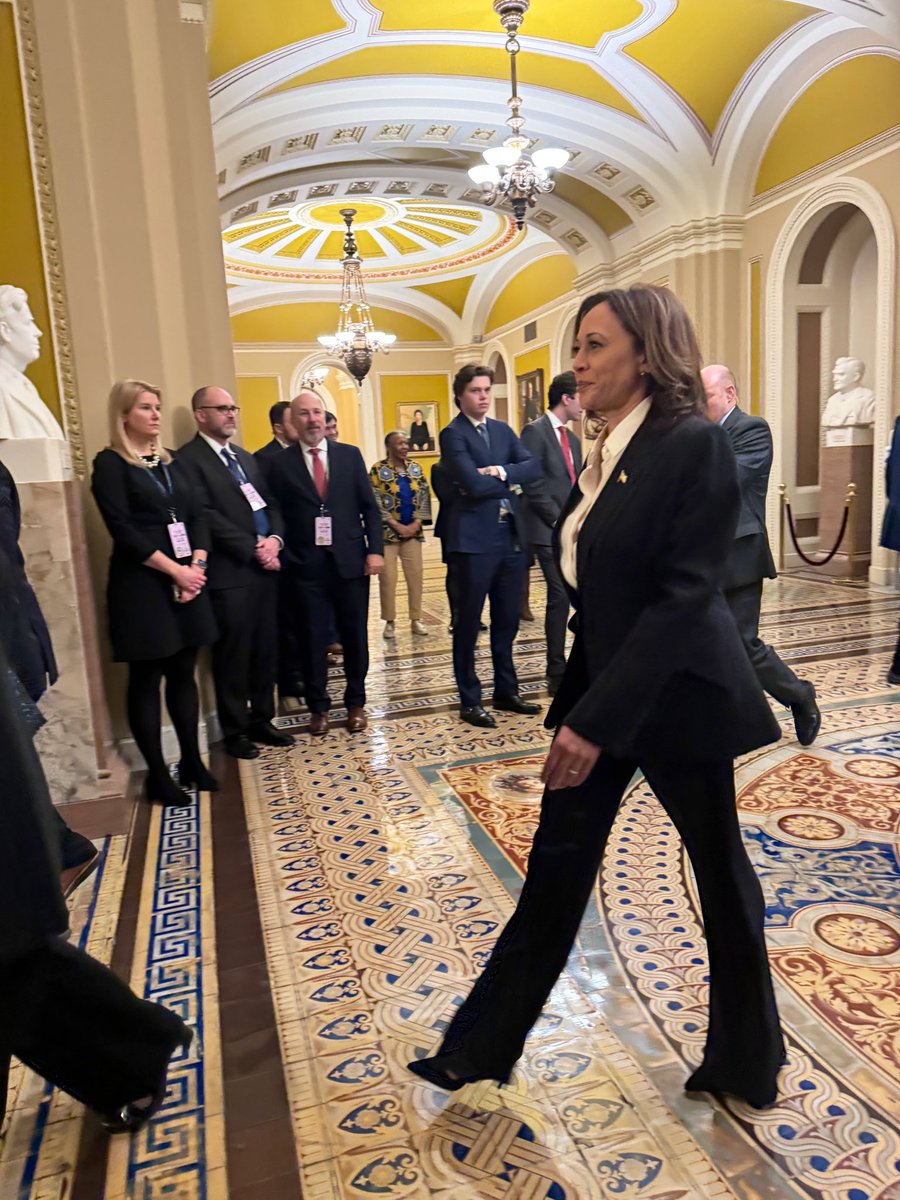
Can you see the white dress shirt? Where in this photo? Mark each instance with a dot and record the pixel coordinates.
(483, 424)
(602, 462)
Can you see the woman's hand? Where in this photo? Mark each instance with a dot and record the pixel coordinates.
(189, 580)
(570, 761)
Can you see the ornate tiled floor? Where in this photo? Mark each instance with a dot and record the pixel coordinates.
(385, 864)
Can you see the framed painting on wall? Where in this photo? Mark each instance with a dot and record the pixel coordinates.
(530, 388)
(420, 424)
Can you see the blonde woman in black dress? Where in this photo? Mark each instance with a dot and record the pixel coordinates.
(159, 613)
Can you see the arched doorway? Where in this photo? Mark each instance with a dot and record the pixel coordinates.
(497, 363)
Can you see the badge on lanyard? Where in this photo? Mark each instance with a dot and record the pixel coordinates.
(178, 536)
(323, 531)
(254, 499)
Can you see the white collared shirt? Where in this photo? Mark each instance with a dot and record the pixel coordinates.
(556, 422)
(216, 447)
(309, 458)
(725, 416)
(603, 460)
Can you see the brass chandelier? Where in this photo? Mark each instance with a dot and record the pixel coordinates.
(524, 176)
(356, 339)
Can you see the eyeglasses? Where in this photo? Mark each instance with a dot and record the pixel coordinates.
(229, 410)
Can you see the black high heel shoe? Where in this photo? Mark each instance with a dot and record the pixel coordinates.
(164, 790)
(756, 1097)
(197, 776)
(452, 1071)
(133, 1116)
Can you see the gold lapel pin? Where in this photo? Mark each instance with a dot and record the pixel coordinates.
(623, 478)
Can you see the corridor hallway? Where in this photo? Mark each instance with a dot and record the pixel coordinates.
(384, 865)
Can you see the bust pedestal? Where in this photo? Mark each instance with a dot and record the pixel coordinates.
(846, 457)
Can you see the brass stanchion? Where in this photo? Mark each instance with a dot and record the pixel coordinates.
(851, 525)
(782, 506)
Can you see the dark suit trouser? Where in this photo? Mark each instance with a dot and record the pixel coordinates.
(556, 615)
(290, 666)
(497, 575)
(245, 657)
(323, 596)
(775, 676)
(73, 1021)
(744, 1043)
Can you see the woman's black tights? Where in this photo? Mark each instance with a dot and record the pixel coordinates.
(144, 709)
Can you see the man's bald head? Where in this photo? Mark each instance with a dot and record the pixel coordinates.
(308, 416)
(721, 390)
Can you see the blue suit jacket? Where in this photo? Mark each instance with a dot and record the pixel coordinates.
(472, 520)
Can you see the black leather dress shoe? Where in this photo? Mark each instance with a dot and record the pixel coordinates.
(266, 733)
(515, 704)
(757, 1096)
(807, 721)
(132, 1117)
(893, 678)
(451, 1072)
(240, 746)
(476, 715)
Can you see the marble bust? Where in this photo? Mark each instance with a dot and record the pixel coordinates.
(850, 404)
(23, 414)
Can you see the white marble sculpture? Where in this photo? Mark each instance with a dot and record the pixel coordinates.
(23, 414)
(850, 404)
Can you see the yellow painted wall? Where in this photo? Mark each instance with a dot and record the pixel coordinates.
(21, 259)
(256, 395)
(531, 360)
(299, 323)
(537, 285)
(853, 102)
(418, 390)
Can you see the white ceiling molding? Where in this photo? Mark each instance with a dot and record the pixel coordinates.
(488, 286)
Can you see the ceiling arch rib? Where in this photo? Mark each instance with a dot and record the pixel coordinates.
(487, 287)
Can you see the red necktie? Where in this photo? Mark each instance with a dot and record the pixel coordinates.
(319, 473)
(567, 451)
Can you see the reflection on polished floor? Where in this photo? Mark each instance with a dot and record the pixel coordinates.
(384, 865)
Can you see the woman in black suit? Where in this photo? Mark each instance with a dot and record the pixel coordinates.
(158, 611)
(419, 435)
(657, 680)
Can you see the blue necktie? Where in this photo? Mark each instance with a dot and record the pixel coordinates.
(505, 505)
(260, 520)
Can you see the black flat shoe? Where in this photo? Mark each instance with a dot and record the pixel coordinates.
(132, 1117)
(476, 715)
(515, 704)
(164, 790)
(266, 733)
(240, 746)
(197, 777)
(755, 1097)
(807, 721)
(452, 1076)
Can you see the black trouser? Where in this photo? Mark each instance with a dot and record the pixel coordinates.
(496, 574)
(775, 676)
(74, 1022)
(322, 592)
(743, 1044)
(245, 657)
(557, 613)
(290, 665)
(145, 712)
(895, 663)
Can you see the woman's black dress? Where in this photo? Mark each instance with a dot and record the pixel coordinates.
(145, 622)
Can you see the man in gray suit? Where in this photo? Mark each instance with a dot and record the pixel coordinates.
(559, 453)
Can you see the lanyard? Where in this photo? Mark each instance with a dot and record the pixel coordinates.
(167, 488)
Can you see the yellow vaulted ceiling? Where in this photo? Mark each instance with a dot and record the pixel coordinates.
(577, 21)
(480, 62)
(704, 47)
(453, 293)
(242, 32)
(299, 323)
(608, 215)
(853, 102)
(538, 284)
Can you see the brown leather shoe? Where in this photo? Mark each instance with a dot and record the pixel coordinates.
(334, 649)
(357, 720)
(318, 724)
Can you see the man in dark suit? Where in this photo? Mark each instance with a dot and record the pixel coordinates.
(559, 453)
(290, 671)
(485, 461)
(246, 540)
(335, 542)
(750, 561)
(283, 435)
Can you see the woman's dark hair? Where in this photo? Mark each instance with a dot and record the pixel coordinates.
(662, 331)
(419, 413)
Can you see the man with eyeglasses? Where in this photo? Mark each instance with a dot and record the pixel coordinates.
(246, 532)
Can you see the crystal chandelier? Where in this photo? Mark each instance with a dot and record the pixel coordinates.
(313, 378)
(524, 176)
(356, 339)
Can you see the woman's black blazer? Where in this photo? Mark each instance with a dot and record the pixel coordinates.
(658, 670)
(144, 620)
